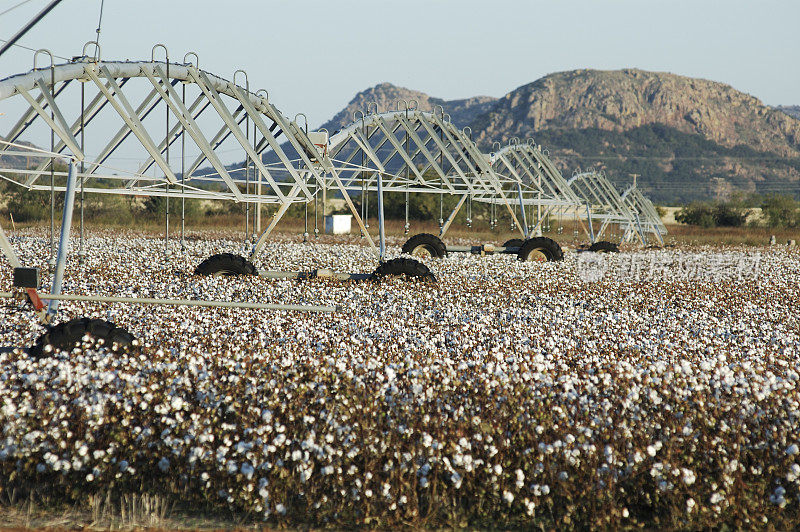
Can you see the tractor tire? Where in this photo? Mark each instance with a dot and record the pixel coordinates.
(409, 268)
(425, 245)
(603, 246)
(540, 249)
(513, 243)
(65, 336)
(225, 264)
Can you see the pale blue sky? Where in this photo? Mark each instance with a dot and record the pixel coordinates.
(313, 56)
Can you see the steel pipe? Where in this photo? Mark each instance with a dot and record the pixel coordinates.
(180, 302)
(63, 242)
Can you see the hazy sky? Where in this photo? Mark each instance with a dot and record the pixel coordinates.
(313, 56)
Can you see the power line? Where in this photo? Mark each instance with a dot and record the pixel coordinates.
(100, 22)
(12, 8)
(34, 49)
(668, 158)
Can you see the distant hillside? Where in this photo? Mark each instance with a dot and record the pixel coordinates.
(387, 95)
(621, 100)
(791, 110)
(686, 138)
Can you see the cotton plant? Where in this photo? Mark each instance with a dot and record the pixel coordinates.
(511, 393)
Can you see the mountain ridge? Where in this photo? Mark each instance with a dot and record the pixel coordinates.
(688, 138)
(387, 96)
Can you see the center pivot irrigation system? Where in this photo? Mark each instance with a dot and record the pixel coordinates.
(180, 122)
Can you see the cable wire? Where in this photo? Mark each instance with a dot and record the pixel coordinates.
(12, 8)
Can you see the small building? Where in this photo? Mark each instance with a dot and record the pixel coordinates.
(338, 224)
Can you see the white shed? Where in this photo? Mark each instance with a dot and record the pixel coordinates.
(338, 224)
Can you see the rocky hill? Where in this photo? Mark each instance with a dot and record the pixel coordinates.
(387, 95)
(687, 138)
(622, 100)
(791, 110)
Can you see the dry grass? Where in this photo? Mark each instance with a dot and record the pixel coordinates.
(747, 236)
(104, 512)
(679, 234)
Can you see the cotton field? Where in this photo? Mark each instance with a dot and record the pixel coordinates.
(655, 387)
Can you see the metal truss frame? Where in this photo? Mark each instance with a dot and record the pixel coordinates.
(295, 164)
(405, 150)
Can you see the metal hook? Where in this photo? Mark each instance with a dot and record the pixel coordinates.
(446, 118)
(465, 130)
(96, 56)
(246, 81)
(43, 51)
(153, 52)
(496, 146)
(265, 98)
(356, 113)
(415, 102)
(530, 141)
(196, 62)
(440, 109)
(305, 120)
(404, 102)
(369, 106)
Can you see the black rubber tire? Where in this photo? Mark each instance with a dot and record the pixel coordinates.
(65, 336)
(409, 268)
(513, 243)
(547, 246)
(603, 246)
(226, 264)
(430, 243)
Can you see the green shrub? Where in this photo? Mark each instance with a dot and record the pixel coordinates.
(781, 211)
(718, 214)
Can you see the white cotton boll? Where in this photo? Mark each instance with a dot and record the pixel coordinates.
(794, 472)
(247, 470)
(563, 476)
(280, 508)
(498, 469)
(508, 497)
(423, 482)
(778, 497)
(456, 479)
(530, 507)
(163, 464)
(792, 449)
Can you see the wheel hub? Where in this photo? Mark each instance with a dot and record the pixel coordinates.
(537, 255)
(422, 252)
